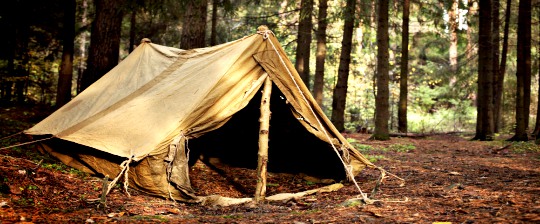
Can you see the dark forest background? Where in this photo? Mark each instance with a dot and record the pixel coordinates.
(379, 66)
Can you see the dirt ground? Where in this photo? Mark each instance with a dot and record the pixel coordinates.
(447, 179)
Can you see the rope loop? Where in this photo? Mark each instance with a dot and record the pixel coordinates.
(265, 33)
(125, 170)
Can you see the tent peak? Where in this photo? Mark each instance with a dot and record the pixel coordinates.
(146, 40)
(262, 28)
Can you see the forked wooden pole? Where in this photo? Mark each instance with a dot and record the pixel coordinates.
(260, 190)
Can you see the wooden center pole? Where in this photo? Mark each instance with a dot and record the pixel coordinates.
(262, 161)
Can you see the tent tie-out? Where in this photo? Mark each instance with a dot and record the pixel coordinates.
(25, 143)
(125, 171)
(266, 36)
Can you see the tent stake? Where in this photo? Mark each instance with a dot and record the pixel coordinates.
(262, 161)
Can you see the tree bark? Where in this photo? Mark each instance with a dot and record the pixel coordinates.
(471, 16)
(103, 53)
(318, 84)
(497, 79)
(194, 25)
(82, 46)
(536, 131)
(453, 50)
(484, 126)
(340, 91)
(63, 92)
(132, 29)
(502, 68)
(213, 30)
(304, 40)
(523, 73)
(382, 116)
(264, 130)
(537, 125)
(404, 76)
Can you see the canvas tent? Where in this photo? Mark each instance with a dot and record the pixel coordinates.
(162, 107)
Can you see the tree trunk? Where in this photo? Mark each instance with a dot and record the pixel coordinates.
(304, 40)
(523, 72)
(213, 30)
(381, 101)
(537, 125)
(404, 76)
(63, 92)
(104, 47)
(471, 50)
(453, 50)
(502, 68)
(340, 91)
(132, 30)
(264, 130)
(194, 25)
(318, 84)
(484, 126)
(536, 131)
(82, 46)
(497, 79)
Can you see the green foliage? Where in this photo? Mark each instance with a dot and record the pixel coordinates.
(374, 158)
(309, 183)
(366, 150)
(402, 147)
(440, 99)
(524, 147)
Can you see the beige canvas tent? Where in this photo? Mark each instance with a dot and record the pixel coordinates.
(162, 107)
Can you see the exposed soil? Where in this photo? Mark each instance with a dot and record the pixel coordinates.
(447, 179)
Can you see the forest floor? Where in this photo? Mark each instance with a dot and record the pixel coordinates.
(448, 178)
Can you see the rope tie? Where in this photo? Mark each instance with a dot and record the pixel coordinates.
(125, 170)
(18, 133)
(27, 143)
(265, 35)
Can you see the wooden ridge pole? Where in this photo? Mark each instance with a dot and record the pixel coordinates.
(260, 190)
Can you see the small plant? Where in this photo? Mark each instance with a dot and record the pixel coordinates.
(374, 158)
(523, 147)
(32, 187)
(272, 184)
(54, 166)
(309, 183)
(402, 147)
(360, 147)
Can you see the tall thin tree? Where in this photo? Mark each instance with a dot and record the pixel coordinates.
(213, 28)
(497, 89)
(303, 47)
(452, 29)
(484, 120)
(404, 69)
(194, 24)
(103, 53)
(523, 72)
(502, 69)
(382, 114)
(339, 97)
(63, 92)
(318, 83)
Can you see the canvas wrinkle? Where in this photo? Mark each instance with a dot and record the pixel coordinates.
(122, 102)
